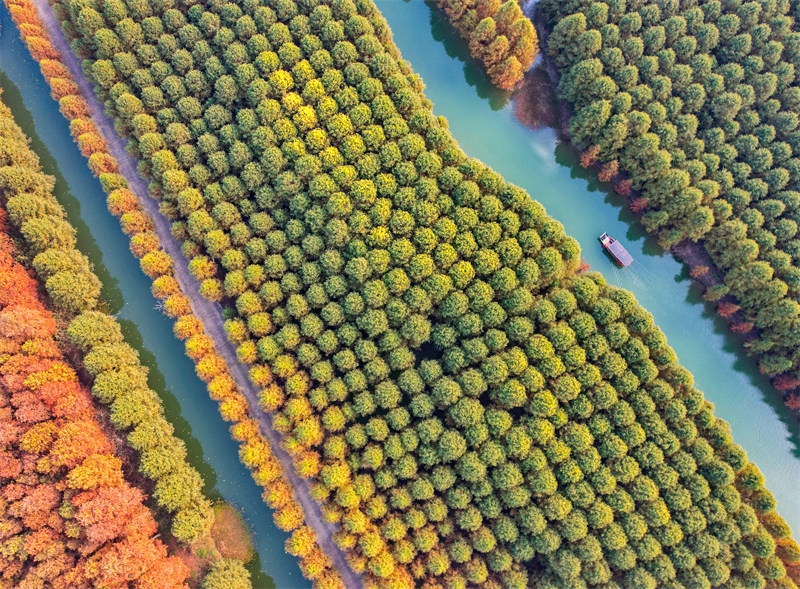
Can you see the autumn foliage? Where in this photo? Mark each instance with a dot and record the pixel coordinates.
(210, 366)
(608, 171)
(499, 35)
(69, 518)
(638, 204)
(588, 157)
(727, 309)
(786, 383)
(73, 290)
(743, 327)
(547, 437)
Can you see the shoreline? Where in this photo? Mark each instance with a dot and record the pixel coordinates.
(691, 254)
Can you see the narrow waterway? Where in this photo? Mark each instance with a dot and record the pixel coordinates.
(126, 291)
(481, 120)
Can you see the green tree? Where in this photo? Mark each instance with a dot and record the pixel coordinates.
(94, 328)
(227, 573)
(74, 292)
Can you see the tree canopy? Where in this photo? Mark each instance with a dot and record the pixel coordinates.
(468, 406)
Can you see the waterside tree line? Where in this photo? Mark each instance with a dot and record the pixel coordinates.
(696, 103)
(60, 476)
(92, 329)
(471, 409)
(161, 454)
(119, 379)
(499, 35)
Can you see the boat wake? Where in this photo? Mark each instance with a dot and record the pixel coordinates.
(636, 276)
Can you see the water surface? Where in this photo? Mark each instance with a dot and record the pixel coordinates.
(126, 291)
(481, 120)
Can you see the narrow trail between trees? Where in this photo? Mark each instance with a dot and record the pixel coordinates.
(207, 311)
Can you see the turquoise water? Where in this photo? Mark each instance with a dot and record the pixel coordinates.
(481, 120)
(127, 292)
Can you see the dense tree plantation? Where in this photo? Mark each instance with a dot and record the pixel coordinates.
(697, 103)
(471, 409)
(499, 35)
(119, 379)
(113, 510)
(92, 330)
(68, 517)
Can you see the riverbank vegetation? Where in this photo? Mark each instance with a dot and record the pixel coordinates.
(255, 451)
(60, 477)
(37, 221)
(697, 106)
(119, 380)
(535, 102)
(499, 35)
(70, 517)
(470, 407)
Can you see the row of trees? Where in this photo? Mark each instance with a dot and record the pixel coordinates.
(470, 411)
(499, 35)
(70, 519)
(698, 105)
(119, 377)
(99, 336)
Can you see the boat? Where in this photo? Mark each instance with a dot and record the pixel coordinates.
(617, 251)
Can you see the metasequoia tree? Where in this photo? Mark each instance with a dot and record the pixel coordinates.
(697, 105)
(469, 408)
(72, 520)
(499, 35)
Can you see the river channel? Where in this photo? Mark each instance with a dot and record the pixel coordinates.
(126, 291)
(482, 121)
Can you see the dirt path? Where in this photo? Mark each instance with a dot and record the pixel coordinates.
(207, 311)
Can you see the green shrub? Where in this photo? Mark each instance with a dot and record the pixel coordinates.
(227, 573)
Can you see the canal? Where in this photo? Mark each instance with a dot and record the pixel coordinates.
(482, 121)
(126, 291)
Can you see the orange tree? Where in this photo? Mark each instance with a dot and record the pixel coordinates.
(499, 35)
(70, 517)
